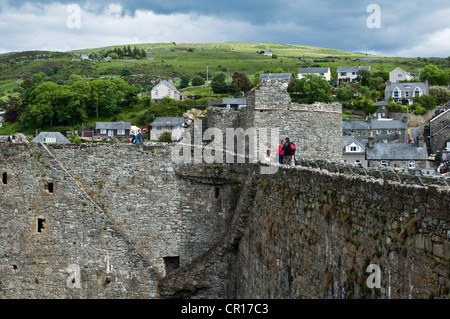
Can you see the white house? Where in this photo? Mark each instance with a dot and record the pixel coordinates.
(350, 73)
(398, 75)
(173, 125)
(405, 91)
(166, 89)
(318, 71)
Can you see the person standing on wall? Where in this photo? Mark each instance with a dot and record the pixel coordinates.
(289, 151)
(280, 152)
(141, 137)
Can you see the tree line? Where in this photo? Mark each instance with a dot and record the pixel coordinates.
(51, 104)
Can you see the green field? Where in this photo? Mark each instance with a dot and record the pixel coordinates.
(171, 60)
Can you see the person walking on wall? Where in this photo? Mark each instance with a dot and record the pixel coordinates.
(289, 151)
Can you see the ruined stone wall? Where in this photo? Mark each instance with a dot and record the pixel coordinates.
(54, 241)
(116, 211)
(312, 234)
(162, 215)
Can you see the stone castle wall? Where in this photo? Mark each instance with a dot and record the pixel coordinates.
(116, 211)
(116, 207)
(310, 233)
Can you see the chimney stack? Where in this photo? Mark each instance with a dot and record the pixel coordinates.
(371, 142)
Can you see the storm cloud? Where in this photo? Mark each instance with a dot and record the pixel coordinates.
(406, 28)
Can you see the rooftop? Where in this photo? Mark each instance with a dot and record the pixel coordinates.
(113, 126)
(396, 152)
(59, 138)
(353, 68)
(374, 125)
(168, 121)
(313, 70)
(275, 76)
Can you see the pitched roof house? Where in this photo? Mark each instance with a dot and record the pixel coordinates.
(384, 130)
(350, 72)
(51, 138)
(398, 75)
(119, 130)
(353, 151)
(167, 124)
(406, 156)
(166, 89)
(405, 91)
(318, 71)
(234, 103)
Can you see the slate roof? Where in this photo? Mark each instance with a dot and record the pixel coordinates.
(113, 126)
(168, 121)
(352, 68)
(374, 125)
(277, 76)
(168, 84)
(407, 86)
(400, 152)
(313, 70)
(231, 101)
(57, 135)
(348, 140)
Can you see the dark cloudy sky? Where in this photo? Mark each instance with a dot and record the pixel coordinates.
(400, 28)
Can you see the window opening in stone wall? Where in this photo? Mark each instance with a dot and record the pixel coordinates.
(50, 187)
(5, 178)
(171, 263)
(217, 192)
(40, 224)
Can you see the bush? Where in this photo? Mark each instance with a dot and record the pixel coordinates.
(165, 137)
(419, 110)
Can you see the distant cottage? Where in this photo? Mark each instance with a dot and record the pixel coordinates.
(349, 73)
(51, 138)
(173, 125)
(325, 72)
(119, 130)
(398, 75)
(166, 89)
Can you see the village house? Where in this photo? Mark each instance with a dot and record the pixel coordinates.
(173, 125)
(382, 112)
(404, 156)
(166, 89)
(405, 91)
(317, 71)
(384, 130)
(353, 151)
(118, 130)
(349, 73)
(234, 103)
(398, 75)
(51, 138)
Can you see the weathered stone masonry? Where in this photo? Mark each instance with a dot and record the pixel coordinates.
(124, 221)
(117, 210)
(308, 233)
